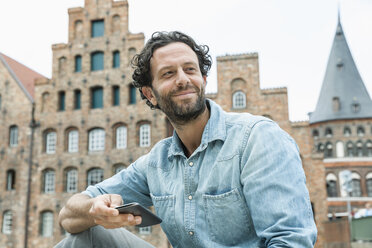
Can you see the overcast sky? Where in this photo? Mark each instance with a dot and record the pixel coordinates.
(293, 38)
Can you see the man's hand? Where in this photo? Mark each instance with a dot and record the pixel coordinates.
(104, 213)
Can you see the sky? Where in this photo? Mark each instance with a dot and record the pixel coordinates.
(293, 38)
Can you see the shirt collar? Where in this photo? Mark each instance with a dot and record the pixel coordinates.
(214, 130)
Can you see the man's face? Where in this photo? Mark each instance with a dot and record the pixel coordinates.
(178, 86)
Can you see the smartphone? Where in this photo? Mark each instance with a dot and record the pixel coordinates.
(148, 217)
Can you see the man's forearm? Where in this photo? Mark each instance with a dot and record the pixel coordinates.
(74, 217)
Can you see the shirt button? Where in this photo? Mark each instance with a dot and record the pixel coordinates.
(191, 233)
(190, 197)
(191, 163)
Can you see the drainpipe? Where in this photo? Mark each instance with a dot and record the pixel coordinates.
(33, 126)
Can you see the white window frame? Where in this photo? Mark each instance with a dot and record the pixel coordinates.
(95, 175)
(71, 180)
(239, 100)
(13, 136)
(47, 220)
(97, 139)
(145, 135)
(49, 181)
(121, 137)
(10, 175)
(50, 142)
(118, 168)
(7, 222)
(144, 230)
(73, 141)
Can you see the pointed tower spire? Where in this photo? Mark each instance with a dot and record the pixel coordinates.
(343, 94)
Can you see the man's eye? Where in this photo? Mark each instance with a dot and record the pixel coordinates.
(167, 73)
(190, 69)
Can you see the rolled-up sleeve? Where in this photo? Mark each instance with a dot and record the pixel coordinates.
(275, 190)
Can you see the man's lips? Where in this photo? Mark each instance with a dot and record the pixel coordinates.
(184, 93)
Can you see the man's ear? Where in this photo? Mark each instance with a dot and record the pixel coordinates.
(149, 94)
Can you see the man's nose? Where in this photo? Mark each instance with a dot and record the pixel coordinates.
(182, 78)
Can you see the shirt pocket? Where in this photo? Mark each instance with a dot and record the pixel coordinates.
(227, 217)
(165, 209)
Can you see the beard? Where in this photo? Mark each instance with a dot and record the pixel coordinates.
(181, 113)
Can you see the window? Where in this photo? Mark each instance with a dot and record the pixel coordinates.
(98, 28)
(315, 134)
(7, 222)
(97, 97)
(62, 65)
(78, 63)
(10, 180)
(48, 181)
(50, 142)
(121, 137)
(118, 168)
(45, 101)
(78, 29)
(239, 101)
(336, 104)
(116, 59)
(369, 148)
(355, 107)
(97, 139)
(331, 180)
(320, 147)
(359, 149)
(77, 99)
(340, 149)
(115, 95)
(13, 136)
(355, 185)
(132, 94)
(61, 100)
(144, 135)
(131, 52)
(95, 176)
(73, 141)
(349, 149)
(369, 184)
(328, 152)
(360, 131)
(347, 132)
(144, 230)
(71, 180)
(46, 224)
(328, 132)
(96, 61)
(115, 24)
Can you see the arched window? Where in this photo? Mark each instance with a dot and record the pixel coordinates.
(144, 135)
(96, 61)
(360, 131)
(340, 149)
(116, 24)
(356, 185)
(239, 100)
(10, 179)
(13, 136)
(95, 176)
(116, 59)
(359, 149)
(48, 181)
(45, 101)
(336, 104)
(78, 63)
(315, 134)
(50, 142)
(331, 180)
(73, 141)
(7, 222)
(328, 132)
(369, 148)
(347, 131)
(328, 152)
(71, 180)
(97, 139)
(78, 29)
(320, 147)
(369, 184)
(350, 149)
(121, 137)
(118, 168)
(46, 224)
(131, 52)
(62, 61)
(96, 94)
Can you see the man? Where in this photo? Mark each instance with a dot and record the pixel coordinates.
(222, 180)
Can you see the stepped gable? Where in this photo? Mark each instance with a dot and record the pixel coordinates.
(343, 94)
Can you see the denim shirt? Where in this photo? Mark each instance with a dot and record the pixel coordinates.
(244, 186)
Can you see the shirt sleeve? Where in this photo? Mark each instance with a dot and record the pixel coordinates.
(275, 190)
(130, 183)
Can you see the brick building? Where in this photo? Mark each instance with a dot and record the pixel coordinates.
(89, 123)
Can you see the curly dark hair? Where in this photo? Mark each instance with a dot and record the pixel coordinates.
(141, 62)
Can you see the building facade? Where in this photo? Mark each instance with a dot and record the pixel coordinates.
(88, 122)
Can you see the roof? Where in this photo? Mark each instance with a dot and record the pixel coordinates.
(343, 94)
(24, 76)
